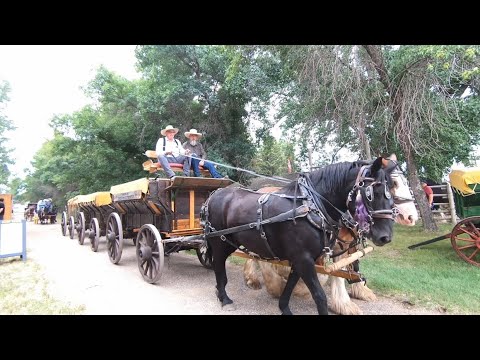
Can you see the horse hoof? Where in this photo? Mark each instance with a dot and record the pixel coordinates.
(362, 292)
(229, 307)
(346, 308)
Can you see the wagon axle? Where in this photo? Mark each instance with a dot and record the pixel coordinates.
(145, 252)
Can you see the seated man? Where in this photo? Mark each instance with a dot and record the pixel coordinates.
(196, 150)
(170, 150)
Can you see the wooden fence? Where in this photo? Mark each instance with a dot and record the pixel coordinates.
(444, 199)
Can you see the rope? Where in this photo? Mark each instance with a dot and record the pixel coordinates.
(244, 170)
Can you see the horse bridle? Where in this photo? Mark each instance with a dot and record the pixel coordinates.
(367, 195)
(397, 173)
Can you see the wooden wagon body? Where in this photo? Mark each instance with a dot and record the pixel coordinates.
(164, 214)
(465, 235)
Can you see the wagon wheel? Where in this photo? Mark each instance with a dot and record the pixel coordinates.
(465, 238)
(64, 223)
(114, 237)
(150, 255)
(204, 254)
(80, 227)
(71, 226)
(94, 234)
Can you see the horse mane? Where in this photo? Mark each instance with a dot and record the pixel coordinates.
(330, 177)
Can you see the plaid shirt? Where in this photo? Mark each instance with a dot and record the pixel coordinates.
(197, 149)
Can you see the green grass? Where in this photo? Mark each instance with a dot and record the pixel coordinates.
(23, 291)
(433, 275)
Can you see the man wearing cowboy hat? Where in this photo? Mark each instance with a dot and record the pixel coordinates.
(196, 150)
(170, 150)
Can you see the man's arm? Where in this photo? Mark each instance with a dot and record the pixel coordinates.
(204, 154)
(181, 149)
(430, 199)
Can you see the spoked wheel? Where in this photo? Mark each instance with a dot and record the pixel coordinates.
(80, 227)
(114, 237)
(465, 238)
(150, 254)
(71, 227)
(204, 254)
(93, 234)
(64, 223)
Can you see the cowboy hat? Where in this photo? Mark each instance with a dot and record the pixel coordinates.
(169, 127)
(193, 132)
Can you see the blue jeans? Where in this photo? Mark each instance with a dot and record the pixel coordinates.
(207, 165)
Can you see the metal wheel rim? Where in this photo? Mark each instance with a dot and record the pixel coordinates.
(204, 256)
(71, 226)
(465, 239)
(81, 227)
(95, 229)
(63, 224)
(151, 268)
(115, 247)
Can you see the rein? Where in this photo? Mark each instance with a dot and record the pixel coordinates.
(313, 202)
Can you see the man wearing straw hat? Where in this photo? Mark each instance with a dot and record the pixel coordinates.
(170, 150)
(196, 150)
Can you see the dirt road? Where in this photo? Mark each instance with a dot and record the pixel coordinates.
(81, 277)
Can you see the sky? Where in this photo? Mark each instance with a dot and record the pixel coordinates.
(46, 80)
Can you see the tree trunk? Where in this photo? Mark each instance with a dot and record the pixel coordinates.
(396, 105)
(364, 143)
(428, 221)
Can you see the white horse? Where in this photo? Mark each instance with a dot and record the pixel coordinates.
(275, 276)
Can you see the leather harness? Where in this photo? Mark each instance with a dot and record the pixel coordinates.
(313, 208)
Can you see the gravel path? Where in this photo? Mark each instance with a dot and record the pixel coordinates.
(81, 277)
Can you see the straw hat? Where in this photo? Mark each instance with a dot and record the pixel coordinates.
(193, 132)
(169, 127)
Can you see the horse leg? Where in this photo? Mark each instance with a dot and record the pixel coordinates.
(287, 292)
(340, 302)
(306, 270)
(250, 274)
(363, 292)
(220, 254)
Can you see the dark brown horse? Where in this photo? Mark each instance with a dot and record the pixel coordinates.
(299, 223)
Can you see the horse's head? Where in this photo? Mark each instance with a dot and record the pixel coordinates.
(372, 203)
(407, 212)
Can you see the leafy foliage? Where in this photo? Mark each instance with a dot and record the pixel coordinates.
(370, 100)
(103, 144)
(5, 125)
(272, 157)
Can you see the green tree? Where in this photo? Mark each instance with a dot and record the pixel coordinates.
(5, 126)
(379, 99)
(195, 88)
(272, 158)
(17, 188)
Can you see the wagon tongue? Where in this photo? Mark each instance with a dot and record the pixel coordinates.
(446, 236)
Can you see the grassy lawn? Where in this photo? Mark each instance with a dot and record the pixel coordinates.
(23, 291)
(432, 275)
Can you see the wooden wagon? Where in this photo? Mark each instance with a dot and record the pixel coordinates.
(29, 212)
(163, 216)
(465, 235)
